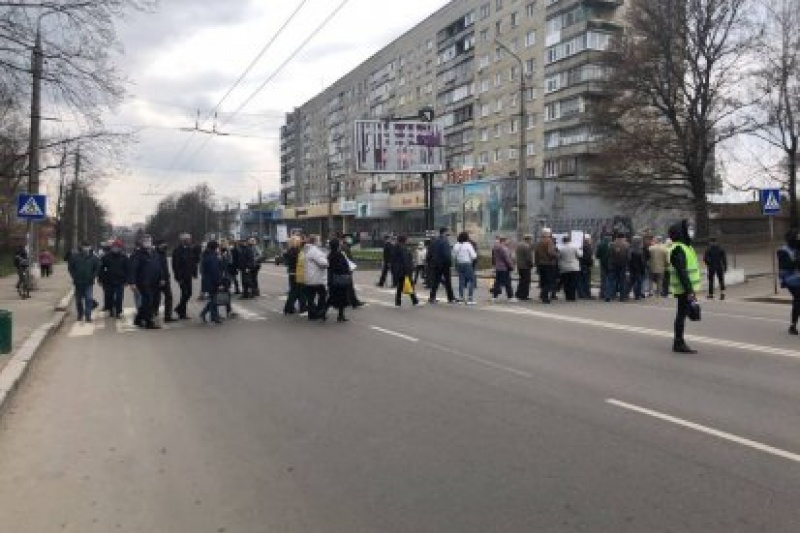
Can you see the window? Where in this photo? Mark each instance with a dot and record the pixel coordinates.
(530, 149)
(513, 126)
(512, 153)
(498, 27)
(498, 79)
(498, 5)
(483, 158)
(485, 11)
(512, 73)
(484, 86)
(484, 134)
(514, 19)
(496, 131)
(485, 110)
(498, 105)
(530, 10)
(530, 66)
(530, 38)
(498, 155)
(484, 35)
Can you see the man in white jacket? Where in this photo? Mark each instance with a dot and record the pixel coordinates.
(316, 279)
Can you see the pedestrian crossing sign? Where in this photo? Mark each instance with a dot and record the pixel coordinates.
(770, 201)
(31, 206)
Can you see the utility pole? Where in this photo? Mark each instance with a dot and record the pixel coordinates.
(35, 139)
(75, 199)
(260, 220)
(522, 189)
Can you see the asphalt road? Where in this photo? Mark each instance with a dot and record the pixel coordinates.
(494, 418)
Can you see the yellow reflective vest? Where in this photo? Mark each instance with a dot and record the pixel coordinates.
(692, 268)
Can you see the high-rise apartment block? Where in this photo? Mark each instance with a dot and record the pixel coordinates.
(467, 60)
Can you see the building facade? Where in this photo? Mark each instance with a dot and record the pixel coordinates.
(477, 63)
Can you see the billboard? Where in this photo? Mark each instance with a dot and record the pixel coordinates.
(483, 208)
(400, 147)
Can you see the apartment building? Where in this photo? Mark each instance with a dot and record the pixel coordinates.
(476, 62)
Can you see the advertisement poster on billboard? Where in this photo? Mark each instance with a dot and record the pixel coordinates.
(482, 208)
(400, 147)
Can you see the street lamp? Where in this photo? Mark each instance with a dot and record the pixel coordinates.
(522, 189)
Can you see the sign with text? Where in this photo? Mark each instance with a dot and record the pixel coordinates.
(398, 147)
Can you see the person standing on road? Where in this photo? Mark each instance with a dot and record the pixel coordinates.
(619, 257)
(789, 273)
(184, 269)
(503, 267)
(441, 259)
(637, 268)
(716, 261)
(464, 256)
(587, 262)
(602, 254)
(684, 281)
(524, 256)
(211, 281)
(405, 270)
(419, 262)
(165, 286)
(144, 279)
(21, 262)
(316, 279)
(338, 272)
(352, 297)
(569, 265)
(388, 253)
(295, 300)
(114, 271)
(546, 258)
(84, 268)
(659, 256)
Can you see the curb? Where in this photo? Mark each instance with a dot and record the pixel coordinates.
(13, 373)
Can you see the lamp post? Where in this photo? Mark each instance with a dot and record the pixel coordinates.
(522, 188)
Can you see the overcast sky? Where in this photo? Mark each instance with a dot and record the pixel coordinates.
(189, 54)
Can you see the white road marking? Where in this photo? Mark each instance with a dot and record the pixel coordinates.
(769, 350)
(247, 314)
(707, 430)
(394, 333)
(714, 313)
(480, 360)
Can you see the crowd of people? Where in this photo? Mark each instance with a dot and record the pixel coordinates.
(148, 273)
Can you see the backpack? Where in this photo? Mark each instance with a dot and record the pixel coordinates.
(618, 255)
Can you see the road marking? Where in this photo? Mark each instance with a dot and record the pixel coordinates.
(706, 312)
(246, 313)
(394, 333)
(707, 430)
(770, 350)
(480, 360)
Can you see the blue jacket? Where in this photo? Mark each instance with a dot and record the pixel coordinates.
(212, 272)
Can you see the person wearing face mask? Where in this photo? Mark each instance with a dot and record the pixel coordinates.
(84, 268)
(684, 281)
(144, 279)
(114, 274)
(184, 268)
(164, 286)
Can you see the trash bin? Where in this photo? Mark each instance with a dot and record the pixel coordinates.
(5, 331)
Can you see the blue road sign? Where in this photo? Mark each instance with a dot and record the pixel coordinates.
(770, 201)
(31, 206)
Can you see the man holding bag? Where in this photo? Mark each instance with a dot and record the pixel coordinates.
(402, 270)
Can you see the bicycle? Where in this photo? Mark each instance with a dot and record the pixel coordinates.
(24, 283)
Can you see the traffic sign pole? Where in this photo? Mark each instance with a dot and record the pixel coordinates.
(772, 253)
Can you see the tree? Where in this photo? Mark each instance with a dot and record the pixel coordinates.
(192, 212)
(778, 79)
(672, 98)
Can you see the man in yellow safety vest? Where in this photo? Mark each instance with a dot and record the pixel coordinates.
(684, 280)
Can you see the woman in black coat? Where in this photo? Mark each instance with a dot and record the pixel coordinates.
(403, 265)
(338, 284)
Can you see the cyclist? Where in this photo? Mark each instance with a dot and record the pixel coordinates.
(21, 263)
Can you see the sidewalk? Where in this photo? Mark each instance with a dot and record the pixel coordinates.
(31, 314)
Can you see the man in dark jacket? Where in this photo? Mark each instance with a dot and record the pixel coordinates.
(184, 268)
(84, 268)
(441, 260)
(716, 261)
(145, 278)
(524, 253)
(402, 268)
(164, 286)
(388, 254)
(114, 274)
(684, 281)
(248, 260)
(587, 262)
